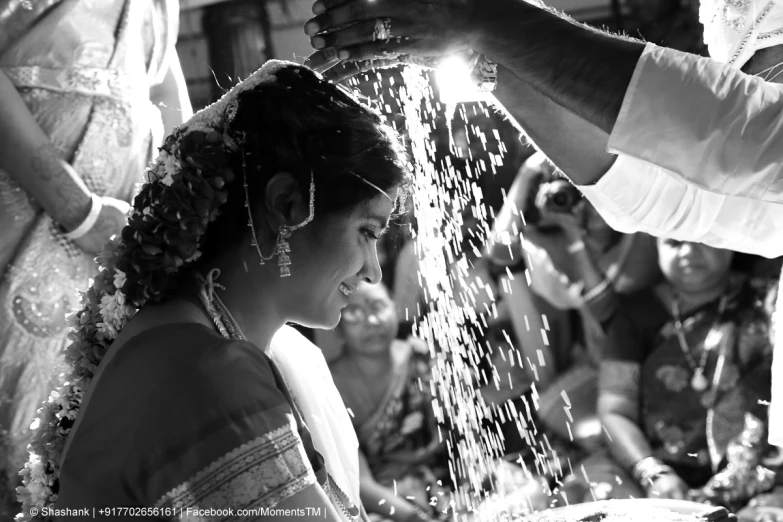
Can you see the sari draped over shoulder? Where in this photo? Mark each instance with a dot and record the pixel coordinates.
(84, 68)
(693, 437)
(398, 427)
(181, 419)
(304, 369)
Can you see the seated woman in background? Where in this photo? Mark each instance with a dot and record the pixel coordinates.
(683, 381)
(385, 384)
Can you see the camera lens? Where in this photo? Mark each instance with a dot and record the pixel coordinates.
(561, 199)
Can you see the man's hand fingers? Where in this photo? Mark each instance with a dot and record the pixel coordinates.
(361, 33)
(424, 52)
(321, 6)
(347, 70)
(321, 61)
(347, 13)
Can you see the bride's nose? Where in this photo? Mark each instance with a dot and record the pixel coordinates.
(371, 270)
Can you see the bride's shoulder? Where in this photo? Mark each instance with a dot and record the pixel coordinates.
(190, 355)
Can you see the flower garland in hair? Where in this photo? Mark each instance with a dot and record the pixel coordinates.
(186, 186)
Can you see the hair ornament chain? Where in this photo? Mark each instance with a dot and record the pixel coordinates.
(254, 240)
(373, 185)
(281, 247)
(311, 215)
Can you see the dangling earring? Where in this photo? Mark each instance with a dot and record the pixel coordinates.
(282, 248)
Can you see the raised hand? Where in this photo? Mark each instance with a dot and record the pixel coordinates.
(111, 220)
(386, 30)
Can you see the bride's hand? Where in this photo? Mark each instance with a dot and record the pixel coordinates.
(111, 220)
(354, 30)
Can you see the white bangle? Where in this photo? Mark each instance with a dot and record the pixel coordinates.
(576, 246)
(596, 291)
(89, 221)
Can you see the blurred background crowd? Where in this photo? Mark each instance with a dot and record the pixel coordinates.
(656, 346)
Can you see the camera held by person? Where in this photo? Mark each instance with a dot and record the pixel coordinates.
(558, 196)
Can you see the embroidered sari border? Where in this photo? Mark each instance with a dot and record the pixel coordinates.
(259, 473)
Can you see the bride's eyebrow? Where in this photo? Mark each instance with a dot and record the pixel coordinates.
(381, 221)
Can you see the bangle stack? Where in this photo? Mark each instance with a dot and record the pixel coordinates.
(648, 469)
(89, 221)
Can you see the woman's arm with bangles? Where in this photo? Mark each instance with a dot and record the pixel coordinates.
(619, 388)
(30, 158)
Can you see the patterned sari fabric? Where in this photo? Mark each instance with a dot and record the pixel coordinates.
(179, 417)
(84, 69)
(690, 430)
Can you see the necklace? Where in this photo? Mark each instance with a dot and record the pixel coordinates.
(232, 331)
(699, 381)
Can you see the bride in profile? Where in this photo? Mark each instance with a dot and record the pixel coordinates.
(263, 209)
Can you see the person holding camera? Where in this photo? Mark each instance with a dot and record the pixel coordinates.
(575, 260)
(576, 265)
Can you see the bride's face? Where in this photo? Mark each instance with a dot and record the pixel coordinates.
(330, 261)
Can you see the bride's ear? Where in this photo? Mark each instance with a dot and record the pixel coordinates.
(284, 201)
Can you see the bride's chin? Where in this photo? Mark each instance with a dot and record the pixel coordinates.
(328, 321)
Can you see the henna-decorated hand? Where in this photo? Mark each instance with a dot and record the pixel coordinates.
(111, 220)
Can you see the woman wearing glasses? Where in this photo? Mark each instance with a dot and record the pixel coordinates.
(385, 384)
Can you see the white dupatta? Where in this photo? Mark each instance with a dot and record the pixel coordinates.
(310, 383)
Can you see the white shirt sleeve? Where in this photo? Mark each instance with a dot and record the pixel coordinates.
(700, 158)
(699, 155)
(635, 196)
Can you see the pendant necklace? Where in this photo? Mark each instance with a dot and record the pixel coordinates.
(699, 381)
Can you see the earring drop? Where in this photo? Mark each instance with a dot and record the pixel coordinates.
(283, 249)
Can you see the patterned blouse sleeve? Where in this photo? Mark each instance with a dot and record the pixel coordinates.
(221, 436)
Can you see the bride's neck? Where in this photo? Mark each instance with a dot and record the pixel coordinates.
(250, 299)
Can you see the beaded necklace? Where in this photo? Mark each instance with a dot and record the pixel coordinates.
(699, 381)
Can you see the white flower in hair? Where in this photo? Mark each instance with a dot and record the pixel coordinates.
(115, 313)
(119, 279)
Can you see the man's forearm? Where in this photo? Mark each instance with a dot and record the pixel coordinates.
(558, 57)
(577, 147)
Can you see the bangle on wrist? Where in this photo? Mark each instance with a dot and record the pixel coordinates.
(596, 290)
(576, 246)
(89, 222)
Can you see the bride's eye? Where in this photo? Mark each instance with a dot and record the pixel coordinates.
(371, 234)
